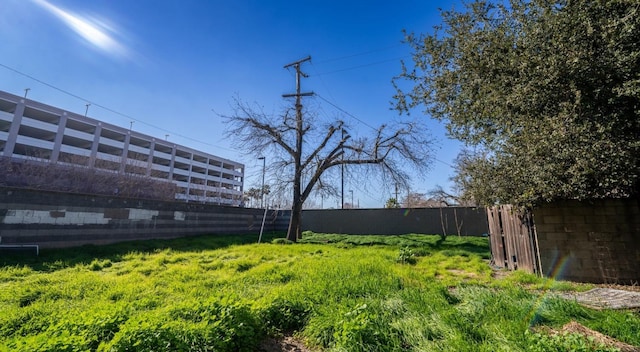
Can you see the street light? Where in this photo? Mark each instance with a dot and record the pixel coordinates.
(264, 162)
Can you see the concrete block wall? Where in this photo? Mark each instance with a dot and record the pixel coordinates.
(590, 241)
(470, 221)
(52, 219)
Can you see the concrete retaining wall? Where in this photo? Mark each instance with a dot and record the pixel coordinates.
(469, 221)
(596, 241)
(53, 219)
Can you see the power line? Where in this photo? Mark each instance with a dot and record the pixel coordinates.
(360, 54)
(345, 112)
(363, 65)
(322, 81)
(366, 124)
(92, 103)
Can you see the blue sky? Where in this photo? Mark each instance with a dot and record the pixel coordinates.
(168, 65)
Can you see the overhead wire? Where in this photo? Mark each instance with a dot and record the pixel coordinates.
(364, 123)
(360, 54)
(363, 65)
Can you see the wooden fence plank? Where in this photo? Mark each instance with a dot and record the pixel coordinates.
(496, 237)
(512, 238)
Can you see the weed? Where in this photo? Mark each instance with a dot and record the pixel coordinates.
(97, 265)
(337, 292)
(406, 256)
(281, 241)
(540, 342)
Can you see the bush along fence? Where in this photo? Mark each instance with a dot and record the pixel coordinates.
(594, 241)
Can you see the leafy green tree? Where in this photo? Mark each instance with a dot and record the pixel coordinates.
(475, 177)
(549, 90)
(252, 194)
(392, 203)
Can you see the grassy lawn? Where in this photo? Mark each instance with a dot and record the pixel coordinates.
(334, 292)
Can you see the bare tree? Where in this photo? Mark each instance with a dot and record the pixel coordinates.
(306, 152)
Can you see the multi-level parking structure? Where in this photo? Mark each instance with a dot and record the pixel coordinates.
(43, 133)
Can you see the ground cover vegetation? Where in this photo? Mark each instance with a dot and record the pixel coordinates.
(545, 93)
(333, 292)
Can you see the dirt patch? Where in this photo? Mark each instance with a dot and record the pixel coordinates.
(458, 272)
(500, 274)
(284, 344)
(575, 327)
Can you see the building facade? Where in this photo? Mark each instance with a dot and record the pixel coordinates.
(31, 130)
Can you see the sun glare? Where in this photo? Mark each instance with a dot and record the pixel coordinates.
(94, 32)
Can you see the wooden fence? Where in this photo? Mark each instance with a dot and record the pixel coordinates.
(513, 239)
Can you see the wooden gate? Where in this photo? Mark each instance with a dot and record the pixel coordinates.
(513, 239)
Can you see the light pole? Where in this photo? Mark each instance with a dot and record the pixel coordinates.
(351, 198)
(264, 162)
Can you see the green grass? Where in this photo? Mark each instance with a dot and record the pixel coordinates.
(335, 292)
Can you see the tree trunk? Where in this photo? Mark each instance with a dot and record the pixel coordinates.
(295, 229)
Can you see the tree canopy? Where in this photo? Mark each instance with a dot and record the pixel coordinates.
(547, 92)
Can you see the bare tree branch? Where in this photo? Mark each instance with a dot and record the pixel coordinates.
(390, 151)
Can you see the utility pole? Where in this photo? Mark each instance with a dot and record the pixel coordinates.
(342, 174)
(397, 200)
(294, 224)
(352, 205)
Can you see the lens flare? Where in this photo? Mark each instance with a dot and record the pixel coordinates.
(558, 267)
(94, 32)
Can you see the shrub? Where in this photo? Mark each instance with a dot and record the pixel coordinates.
(97, 265)
(406, 256)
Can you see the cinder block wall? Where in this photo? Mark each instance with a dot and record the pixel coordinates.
(52, 219)
(591, 241)
(467, 221)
